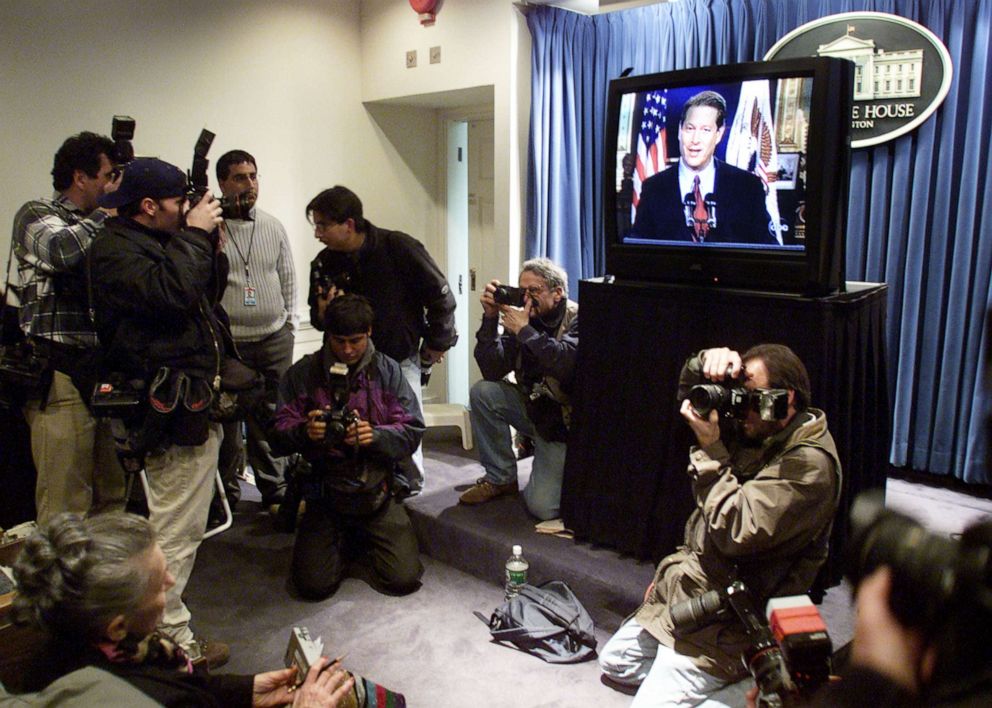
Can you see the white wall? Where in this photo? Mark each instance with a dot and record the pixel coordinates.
(280, 79)
(284, 80)
(483, 43)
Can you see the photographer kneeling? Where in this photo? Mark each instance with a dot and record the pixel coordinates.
(351, 413)
(96, 587)
(766, 479)
(539, 344)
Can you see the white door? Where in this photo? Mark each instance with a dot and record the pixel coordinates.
(472, 251)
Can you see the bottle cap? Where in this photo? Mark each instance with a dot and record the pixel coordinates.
(517, 550)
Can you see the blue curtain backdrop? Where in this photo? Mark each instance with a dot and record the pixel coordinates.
(919, 205)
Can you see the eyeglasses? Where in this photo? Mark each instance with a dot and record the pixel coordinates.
(535, 290)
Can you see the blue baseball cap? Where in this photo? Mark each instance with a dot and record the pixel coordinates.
(146, 177)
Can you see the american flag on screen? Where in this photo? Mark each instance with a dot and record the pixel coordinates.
(651, 156)
(752, 141)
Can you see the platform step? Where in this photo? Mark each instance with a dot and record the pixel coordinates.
(478, 539)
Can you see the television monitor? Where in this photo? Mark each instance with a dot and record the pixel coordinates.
(733, 175)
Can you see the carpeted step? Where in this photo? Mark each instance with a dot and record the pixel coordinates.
(478, 539)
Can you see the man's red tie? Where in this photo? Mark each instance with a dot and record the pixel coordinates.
(700, 215)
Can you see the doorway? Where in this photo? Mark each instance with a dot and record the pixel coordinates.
(471, 249)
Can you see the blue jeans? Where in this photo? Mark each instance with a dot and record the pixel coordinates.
(411, 372)
(495, 406)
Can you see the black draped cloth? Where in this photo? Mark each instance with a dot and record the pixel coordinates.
(625, 474)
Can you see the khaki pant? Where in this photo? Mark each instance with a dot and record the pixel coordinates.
(74, 454)
(181, 483)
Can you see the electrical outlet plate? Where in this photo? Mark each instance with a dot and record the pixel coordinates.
(411, 59)
(435, 55)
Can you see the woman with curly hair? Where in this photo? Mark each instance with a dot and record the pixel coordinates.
(96, 587)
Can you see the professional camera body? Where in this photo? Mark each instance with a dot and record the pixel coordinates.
(322, 278)
(236, 207)
(788, 660)
(339, 418)
(509, 295)
(302, 652)
(731, 400)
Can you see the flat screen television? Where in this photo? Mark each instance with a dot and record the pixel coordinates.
(733, 175)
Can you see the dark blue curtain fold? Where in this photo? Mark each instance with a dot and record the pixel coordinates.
(920, 211)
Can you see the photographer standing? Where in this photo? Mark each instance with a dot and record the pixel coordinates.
(766, 489)
(353, 416)
(157, 275)
(72, 451)
(414, 307)
(539, 343)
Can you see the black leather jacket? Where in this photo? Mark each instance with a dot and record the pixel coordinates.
(156, 296)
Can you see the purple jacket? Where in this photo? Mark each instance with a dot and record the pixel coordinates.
(379, 394)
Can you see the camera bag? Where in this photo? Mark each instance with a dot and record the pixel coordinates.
(242, 388)
(547, 621)
(24, 373)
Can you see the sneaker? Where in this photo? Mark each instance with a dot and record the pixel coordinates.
(484, 491)
(213, 654)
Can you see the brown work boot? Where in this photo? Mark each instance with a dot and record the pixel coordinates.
(213, 654)
(484, 490)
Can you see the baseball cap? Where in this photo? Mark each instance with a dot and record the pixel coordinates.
(146, 177)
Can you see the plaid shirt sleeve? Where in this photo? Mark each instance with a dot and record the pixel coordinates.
(51, 239)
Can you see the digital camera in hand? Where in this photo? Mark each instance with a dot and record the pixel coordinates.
(323, 279)
(236, 207)
(509, 295)
(735, 401)
(302, 652)
(338, 418)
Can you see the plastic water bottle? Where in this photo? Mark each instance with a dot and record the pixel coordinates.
(516, 572)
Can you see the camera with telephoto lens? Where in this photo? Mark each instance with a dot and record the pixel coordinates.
(236, 207)
(735, 401)
(509, 295)
(941, 588)
(933, 576)
(788, 660)
(338, 418)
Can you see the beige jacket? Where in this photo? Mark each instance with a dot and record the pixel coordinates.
(767, 525)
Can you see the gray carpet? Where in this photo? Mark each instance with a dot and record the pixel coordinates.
(428, 645)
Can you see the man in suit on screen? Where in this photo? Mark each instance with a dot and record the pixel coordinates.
(703, 200)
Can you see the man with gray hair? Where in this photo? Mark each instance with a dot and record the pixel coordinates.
(538, 344)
